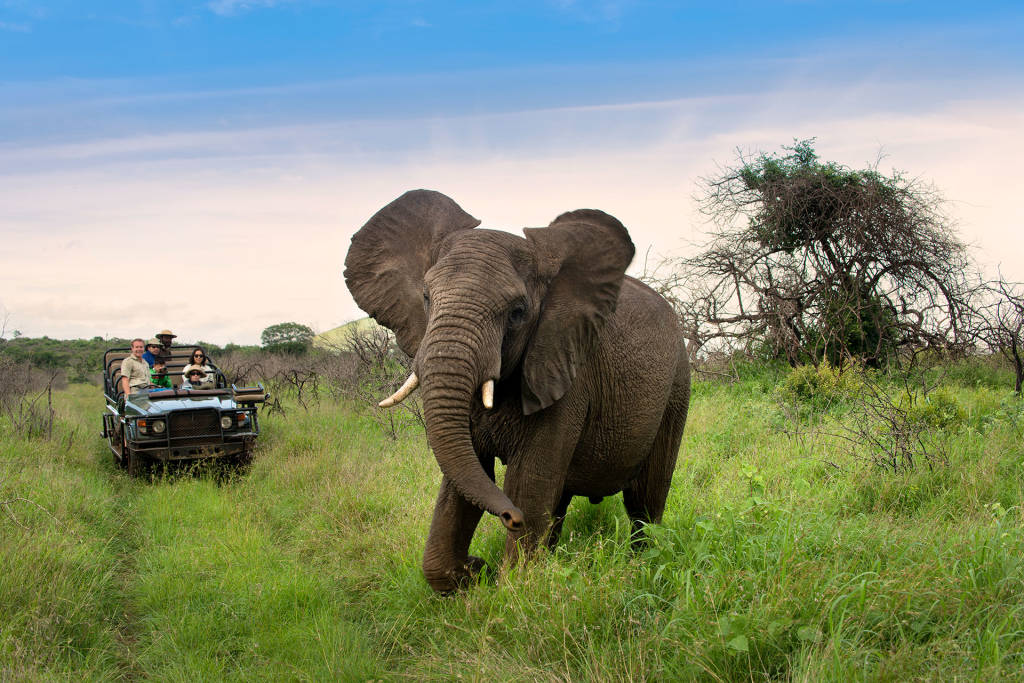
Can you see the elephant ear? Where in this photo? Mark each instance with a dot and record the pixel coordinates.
(390, 254)
(584, 255)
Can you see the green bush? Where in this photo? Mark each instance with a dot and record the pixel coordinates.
(820, 387)
(939, 409)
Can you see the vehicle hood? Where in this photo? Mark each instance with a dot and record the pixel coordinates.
(143, 405)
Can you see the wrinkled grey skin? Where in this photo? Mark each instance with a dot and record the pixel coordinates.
(591, 372)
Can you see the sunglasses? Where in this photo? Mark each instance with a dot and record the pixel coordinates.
(198, 355)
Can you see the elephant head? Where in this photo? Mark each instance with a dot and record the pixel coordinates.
(474, 307)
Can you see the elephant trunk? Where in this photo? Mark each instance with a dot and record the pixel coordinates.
(448, 382)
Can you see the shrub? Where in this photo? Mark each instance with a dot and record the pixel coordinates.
(821, 386)
(938, 409)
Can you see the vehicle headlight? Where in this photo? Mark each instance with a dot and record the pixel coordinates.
(226, 422)
(149, 426)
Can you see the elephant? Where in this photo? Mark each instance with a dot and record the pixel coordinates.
(537, 351)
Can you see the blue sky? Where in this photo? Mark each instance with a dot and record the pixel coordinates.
(235, 137)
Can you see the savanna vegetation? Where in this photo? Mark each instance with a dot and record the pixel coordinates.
(791, 549)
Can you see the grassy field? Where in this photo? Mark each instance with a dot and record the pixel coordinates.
(781, 558)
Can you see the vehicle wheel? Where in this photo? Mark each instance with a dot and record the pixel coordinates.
(121, 458)
(135, 464)
(243, 459)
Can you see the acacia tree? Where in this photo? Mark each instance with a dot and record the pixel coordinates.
(812, 260)
(290, 338)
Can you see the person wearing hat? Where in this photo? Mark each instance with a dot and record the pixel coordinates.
(165, 337)
(193, 379)
(153, 351)
(199, 362)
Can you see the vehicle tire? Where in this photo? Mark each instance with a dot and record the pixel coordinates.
(134, 463)
(243, 459)
(121, 459)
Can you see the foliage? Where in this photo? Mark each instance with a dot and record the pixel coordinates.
(770, 564)
(936, 409)
(381, 368)
(822, 385)
(290, 338)
(813, 260)
(79, 358)
(976, 370)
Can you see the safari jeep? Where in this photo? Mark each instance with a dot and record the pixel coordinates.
(167, 425)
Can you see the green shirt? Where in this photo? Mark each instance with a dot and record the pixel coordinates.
(160, 380)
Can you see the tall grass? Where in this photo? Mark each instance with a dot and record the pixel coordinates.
(771, 564)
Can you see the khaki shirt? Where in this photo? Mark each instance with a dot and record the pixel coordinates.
(137, 372)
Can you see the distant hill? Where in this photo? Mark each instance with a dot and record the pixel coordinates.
(337, 336)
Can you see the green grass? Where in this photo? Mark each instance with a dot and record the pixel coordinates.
(771, 564)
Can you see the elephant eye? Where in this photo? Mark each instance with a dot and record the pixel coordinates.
(426, 300)
(517, 314)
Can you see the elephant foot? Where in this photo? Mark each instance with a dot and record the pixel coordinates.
(447, 581)
(638, 539)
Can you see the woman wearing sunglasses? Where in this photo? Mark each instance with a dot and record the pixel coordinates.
(198, 361)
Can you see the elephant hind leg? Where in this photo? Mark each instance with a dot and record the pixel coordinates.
(645, 497)
(557, 518)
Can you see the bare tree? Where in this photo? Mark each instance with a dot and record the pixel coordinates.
(26, 397)
(812, 260)
(383, 367)
(1002, 324)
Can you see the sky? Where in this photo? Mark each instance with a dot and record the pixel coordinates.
(202, 165)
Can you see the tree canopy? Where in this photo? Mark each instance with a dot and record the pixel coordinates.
(292, 338)
(813, 260)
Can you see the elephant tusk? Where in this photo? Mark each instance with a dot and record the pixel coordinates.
(487, 394)
(402, 393)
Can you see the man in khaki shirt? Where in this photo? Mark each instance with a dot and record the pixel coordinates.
(134, 370)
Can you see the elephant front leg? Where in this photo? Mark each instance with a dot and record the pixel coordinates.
(539, 493)
(535, 479)
(447, 564)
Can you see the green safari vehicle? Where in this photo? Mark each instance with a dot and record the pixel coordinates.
(178, 424)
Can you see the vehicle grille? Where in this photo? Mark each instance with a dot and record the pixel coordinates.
(185, 425)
